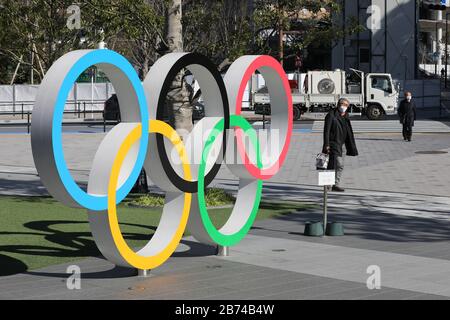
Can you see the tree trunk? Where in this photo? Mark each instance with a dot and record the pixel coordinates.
(178, 104)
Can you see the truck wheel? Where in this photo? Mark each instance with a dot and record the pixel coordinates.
(297, 113)
(374, 112)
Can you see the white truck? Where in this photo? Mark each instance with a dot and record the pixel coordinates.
(372, 94)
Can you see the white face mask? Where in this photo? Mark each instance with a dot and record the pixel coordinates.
(342, 109)
(408, 98)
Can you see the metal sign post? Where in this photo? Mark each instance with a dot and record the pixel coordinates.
(327, 178)
(325, 199)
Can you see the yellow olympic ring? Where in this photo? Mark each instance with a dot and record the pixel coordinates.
(134, 259)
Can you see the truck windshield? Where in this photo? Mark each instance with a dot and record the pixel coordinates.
(382, 83)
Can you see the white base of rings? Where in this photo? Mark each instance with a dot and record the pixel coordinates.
(144, 273)
(223, 251)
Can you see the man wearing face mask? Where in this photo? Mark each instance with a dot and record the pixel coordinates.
(407, 114)
(337, 132)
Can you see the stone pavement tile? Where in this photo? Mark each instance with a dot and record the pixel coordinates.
(389, 221)
(399, 231)
(224, 278)
(55, 276)
(425, 297)
(166, 280)
(382, 294)
(269, 278)
(92, 293)
(197, 273)
(12, 279)
(345, 263)
(148, 289)
(137, 293)
(6, 296)
(21, 288)
(167, 285)
(208, 288)
(186, 281)
(313, 292)
(376, 150)
(437, 250)
(393, 294)
(342, 290)
(363, 293)
(193, 294)
(249, 281)
(354, 240)
(445, 293)
(276, 287)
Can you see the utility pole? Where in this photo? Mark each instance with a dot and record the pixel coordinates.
(437, 44)
(250, 12)
(446, 49)
(31, 67)
(281, 45)
(280, 33)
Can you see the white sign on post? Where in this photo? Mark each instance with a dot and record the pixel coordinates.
(327, 178)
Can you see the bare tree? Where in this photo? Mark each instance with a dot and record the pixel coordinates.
(178, 104)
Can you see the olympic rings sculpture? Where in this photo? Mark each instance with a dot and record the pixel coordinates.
(143, 139)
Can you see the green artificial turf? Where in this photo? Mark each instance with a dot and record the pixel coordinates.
(38, 231)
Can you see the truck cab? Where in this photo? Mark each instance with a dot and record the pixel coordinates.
(381, 95)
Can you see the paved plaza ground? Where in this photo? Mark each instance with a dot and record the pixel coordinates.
(396, 213)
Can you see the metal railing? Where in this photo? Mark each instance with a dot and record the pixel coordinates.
(80, 111)
(79, 108)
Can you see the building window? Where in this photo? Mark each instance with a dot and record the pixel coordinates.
(364, 55)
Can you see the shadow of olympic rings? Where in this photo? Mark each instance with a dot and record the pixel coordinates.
(77, 244)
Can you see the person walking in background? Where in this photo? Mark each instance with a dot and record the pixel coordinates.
(407, 114)
(337, 132)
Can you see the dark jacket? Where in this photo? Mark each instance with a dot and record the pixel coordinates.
(333, 134)
(407, 112)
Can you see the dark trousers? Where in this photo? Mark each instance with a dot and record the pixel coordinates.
(407, 131)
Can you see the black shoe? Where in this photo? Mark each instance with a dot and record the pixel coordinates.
(337, 189)
(409, 140)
